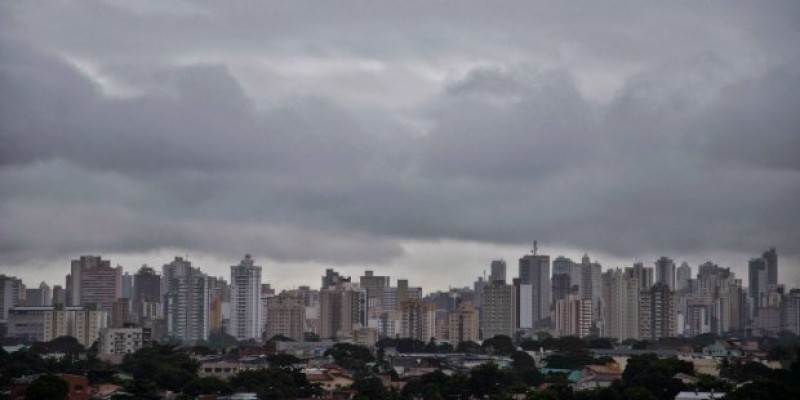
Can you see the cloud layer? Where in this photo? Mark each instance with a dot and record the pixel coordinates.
(310, 132)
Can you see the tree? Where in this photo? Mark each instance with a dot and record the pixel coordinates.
(47, 387)
(764, 389)
(370, 387)
(283, 360)
(469, 347)
(499, 344)
(207, 385)
(350, 356)
(221, 340)
(280, 338)
(525, 367)
(310, 337)
(138, 389)
(275, 383)
(601, 343)
(656, 375)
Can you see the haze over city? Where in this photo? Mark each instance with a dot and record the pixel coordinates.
(420, 140)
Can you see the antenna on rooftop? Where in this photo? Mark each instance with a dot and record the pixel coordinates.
(535, 247)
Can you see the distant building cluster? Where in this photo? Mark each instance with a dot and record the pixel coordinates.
(559, 296)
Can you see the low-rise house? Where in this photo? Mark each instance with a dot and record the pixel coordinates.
(598, 376)
(330, 379)
(699, 396)
(221, 369)
(722, 348)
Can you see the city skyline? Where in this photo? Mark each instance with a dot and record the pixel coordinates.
(469, 275)
(398, 138)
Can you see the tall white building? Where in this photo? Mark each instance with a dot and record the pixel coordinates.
(621, 300)
(246, 316)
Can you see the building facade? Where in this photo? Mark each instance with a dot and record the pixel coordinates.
(246, 312)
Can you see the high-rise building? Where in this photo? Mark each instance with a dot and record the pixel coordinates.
(246, 314)
(524, 305)
(127, 286)
(768, 319)
(792, 318)
(219, 295)
(39, 297)
(498, 271)
(375, 285)
(332, 278)
(771, 259)
(417, 318)
(621, 299)
(684, 275)
(498, 315)
(562, 286)
(43, 324)
(591, 287)
(12, 294)
(464, 324)
(757, 272)
(478, 287)
(59, 295)
(146, 296)
(343, 308)
(573, 316)
(94, 283)
(657, 313)
(642, 273)
(186, 293)
(665, 272)
(534, 269)
(286, 315)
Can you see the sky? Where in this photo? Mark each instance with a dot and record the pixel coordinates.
(418, 139)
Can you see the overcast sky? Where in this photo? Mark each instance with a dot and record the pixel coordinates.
(420, 139)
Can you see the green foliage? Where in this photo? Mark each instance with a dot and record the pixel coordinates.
(207, 385)
(499, 345)
(765, 389)
(275, 383)
(656, 375)
(601, 343)
(565, 344)
(47, 387)
(571, 359)
(166, 365)
(530, 345)
(469, 347)
(283, 360)
(742, 371)
(408, 345)
(280, 338)
(525, 367)
(489, 380)
(370, 387)
(310, 337)
(707, 383)
(219, 340)
(138, 389)
(350, 356)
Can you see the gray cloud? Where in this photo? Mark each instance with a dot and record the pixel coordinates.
(302, 134)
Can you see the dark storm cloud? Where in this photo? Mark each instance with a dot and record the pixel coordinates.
(286, 129)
